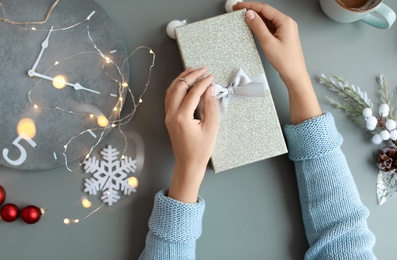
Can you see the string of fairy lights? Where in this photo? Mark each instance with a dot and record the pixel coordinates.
(105, 123)
(6, 20)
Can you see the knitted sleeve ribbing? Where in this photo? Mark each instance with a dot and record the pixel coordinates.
(333, 214)
(174, 227)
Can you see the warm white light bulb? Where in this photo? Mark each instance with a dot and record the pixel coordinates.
(124, 84)
(133, 182)
(102, 121)
(26, 126)
(86, 203)
(66, 221)
(59, 82)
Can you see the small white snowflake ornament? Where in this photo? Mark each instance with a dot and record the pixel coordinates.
(109, 175)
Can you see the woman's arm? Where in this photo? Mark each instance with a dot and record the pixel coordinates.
(279, 38)
(192, 139)
(335, 218)
(333, 215)
(175, 223)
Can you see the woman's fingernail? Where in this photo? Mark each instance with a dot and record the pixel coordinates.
(250, 15)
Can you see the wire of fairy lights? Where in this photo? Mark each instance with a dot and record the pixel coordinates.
(6, 20)
(86, 204)
(91, 110)
(119, 81)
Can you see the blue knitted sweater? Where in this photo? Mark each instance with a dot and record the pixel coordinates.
(333, 214)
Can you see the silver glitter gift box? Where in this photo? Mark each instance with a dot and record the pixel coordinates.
(249, 130)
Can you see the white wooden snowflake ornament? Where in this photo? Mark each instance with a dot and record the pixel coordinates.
(109, 175)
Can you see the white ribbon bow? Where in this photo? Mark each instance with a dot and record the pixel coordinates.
(241, 85)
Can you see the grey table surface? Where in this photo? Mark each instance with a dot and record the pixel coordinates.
(253, 211)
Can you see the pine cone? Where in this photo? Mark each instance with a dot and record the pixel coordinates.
(387, 160)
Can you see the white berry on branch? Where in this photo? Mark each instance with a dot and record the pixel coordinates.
(367, 112)
(376, 139)
(385, 135)
(390, 124)
(371, 123)
(393, 135)
(384, 110)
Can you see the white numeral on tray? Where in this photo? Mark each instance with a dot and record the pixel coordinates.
(22, 157)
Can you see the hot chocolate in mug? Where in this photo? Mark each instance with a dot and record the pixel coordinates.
(372, 12)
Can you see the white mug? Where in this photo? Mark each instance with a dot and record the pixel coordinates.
(348, 11)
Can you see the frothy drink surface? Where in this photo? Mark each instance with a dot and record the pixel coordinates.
(353, 3)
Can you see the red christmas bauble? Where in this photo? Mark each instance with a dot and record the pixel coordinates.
(31, 214)
(9, 212)
(2, 194)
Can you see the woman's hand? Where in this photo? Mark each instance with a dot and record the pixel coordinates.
(279, 38)
(192, 139)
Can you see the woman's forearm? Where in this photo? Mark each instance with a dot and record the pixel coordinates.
(302, 99)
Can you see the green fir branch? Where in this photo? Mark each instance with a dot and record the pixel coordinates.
(347, 91)
(354, 114)
(353, 100)
(386, 96)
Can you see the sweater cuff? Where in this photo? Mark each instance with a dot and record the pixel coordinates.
(312, 138)
(174, 220)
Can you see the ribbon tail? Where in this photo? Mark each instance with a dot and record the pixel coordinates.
(253, 89)
(222, 105)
